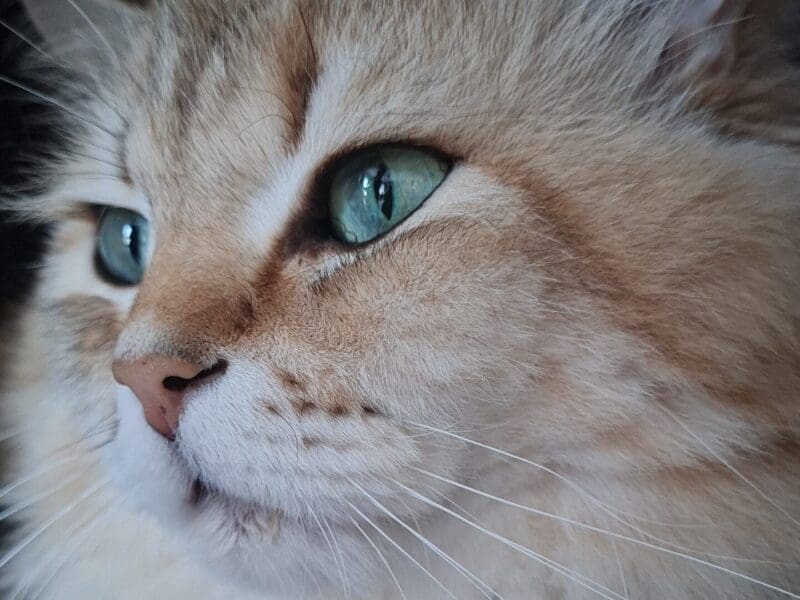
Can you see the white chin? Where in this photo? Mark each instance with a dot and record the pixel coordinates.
(144, 468)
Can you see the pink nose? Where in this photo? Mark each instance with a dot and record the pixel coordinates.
(160, 382)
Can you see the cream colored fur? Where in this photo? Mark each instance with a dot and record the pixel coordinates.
(605, 286)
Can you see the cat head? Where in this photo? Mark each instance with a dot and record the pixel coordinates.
(319, 245)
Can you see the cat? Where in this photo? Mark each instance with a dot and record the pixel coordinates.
(411, 300)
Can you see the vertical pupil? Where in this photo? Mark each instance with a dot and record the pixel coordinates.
(130, 237)
(382, 188)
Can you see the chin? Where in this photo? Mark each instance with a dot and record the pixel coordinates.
(268, 546)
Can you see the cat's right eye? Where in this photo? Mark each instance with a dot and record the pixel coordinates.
(122, 243)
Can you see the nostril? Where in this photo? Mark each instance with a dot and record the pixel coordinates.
(175, 384)
(179, 384)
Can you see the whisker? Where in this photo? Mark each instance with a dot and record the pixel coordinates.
(50, 100)
(729, 466)
(111, 50)
(330, 547)
(52, 59)
(97, 159)
(556, 474)
(476, 581)
(449, 500)
(10, 434)
(340, 555)
(31, 537)
(413, 516)
(43, 470)
(401, 550)
(618, 558)
(93, 523)
(381, 556)
(555, 566)
(35, 499)
(27, 40)
(55, 464)
(612, 534)
(573, 485)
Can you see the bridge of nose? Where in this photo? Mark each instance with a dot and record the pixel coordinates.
(187, 308)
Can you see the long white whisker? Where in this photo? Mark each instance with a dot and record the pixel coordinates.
(400, 549)
(10, 434)
(49, 57)
(47, 468)
(31, 537)
(418, 528)
(611, 511)
(330, 547)
(622, 577)
(36, 498)
(96, 29)
(103, 426)
(97, 159)
(381, 556)
(50, 100)
(91, 524)
(501, 452)
(479, 584)
(27, 40)
(446, 498)
(729, 466)
(613, 534)
(341, 558)
(574, 576)
(555, 566)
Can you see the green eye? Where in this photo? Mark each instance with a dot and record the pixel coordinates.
(378, 188)
(122, 241)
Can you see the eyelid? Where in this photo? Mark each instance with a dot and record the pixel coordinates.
(135, 202)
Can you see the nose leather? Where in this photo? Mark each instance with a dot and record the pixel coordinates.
(160, 382)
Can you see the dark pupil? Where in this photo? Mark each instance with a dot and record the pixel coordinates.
(382, 188)
(130, 237)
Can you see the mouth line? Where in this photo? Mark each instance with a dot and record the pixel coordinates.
(202, 494)
(198, 492)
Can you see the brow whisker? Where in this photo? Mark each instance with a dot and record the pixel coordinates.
(58, 104)
(117, 166)
(27, 40)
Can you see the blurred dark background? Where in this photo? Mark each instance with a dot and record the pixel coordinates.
(23, 136)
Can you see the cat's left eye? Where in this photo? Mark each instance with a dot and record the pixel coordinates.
(376, 189)
(122, 244)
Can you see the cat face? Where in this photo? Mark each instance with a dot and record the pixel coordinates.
(567, 250)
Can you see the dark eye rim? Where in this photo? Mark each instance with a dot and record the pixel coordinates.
(99, 211)
(319, 221)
